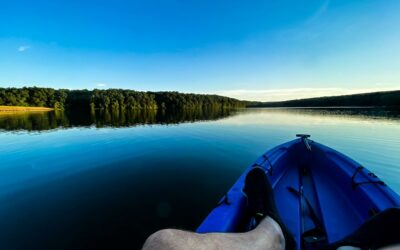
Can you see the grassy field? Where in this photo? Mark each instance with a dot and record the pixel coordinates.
(12, 109)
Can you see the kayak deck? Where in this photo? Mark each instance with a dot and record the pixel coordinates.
(321, 194)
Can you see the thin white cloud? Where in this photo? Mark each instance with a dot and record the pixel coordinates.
(272, 95)
(23, 48)
(101, 84)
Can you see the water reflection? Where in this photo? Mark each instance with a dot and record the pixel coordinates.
(36, 121)
(111, 188)
(336, 112)
(39, 121)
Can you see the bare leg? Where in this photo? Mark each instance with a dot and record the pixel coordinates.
(267, 236)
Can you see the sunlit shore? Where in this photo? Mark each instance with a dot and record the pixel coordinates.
(12, 109)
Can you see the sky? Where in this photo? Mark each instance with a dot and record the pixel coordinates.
(251, 50)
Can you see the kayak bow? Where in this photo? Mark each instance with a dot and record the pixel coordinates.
(321, 194)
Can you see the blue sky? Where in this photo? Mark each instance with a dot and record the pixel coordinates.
(255, 50)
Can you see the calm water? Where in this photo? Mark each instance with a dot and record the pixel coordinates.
(107, 180)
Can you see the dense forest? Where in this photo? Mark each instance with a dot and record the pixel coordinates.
(120, 99)
(112, 99)
(381, 99)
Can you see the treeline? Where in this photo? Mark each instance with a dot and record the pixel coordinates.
(376, 99)
(35, 97)
(112, 99)
(175, 100)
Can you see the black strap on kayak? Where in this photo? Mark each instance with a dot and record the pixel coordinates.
(317, 235)
(266, 159)
(355, 184)
(269, 163)
(224, 200)
(313, 215)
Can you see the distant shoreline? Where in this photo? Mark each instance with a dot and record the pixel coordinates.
(375, 99)
(17, 109)
(28, 99)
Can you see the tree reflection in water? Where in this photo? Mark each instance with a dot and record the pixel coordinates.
(41, 121)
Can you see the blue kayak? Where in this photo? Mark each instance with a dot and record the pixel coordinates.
(321, 194)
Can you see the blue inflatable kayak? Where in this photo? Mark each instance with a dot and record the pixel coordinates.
(321, 194)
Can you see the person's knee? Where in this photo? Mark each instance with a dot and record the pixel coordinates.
(159, 240)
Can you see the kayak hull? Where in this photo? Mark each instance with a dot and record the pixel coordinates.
(318, 192)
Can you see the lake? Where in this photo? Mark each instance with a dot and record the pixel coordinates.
(107, 180)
